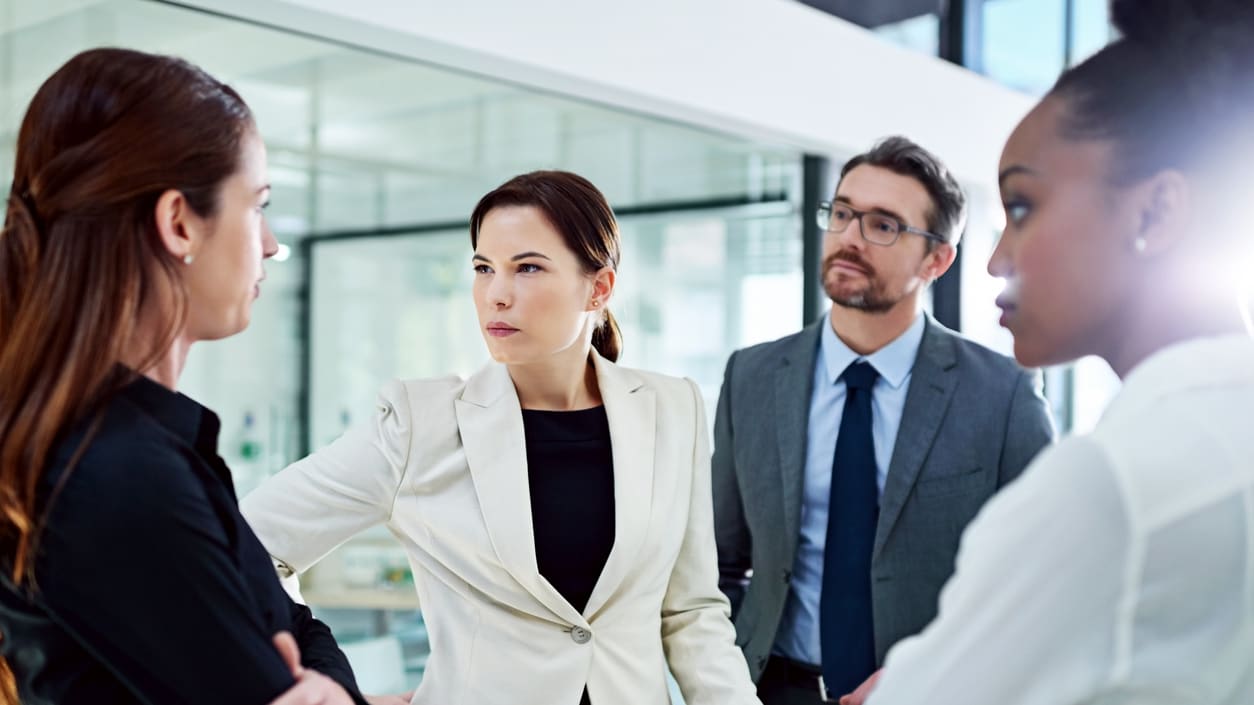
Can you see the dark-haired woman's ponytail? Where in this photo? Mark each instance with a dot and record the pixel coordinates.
(608, 339)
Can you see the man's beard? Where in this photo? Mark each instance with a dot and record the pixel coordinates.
(870, 298)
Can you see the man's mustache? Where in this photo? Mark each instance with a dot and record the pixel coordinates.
(850, 257)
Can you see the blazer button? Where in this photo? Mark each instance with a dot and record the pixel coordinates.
(579, 635)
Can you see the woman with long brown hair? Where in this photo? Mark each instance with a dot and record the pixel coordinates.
(134, 229)
(556, 506)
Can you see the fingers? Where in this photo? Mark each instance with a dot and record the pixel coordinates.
(289, 651)
(313, 688)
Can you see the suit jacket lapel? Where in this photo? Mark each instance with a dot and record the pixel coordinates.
(794, 380)
(932, 384)
(490, 420)
(631, 407)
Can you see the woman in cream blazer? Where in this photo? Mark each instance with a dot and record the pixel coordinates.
(444, 466)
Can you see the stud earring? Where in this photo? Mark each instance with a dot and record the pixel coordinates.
(595, 303)
(188, 259)
(1140, 245)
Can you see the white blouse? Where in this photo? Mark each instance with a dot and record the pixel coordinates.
(1120, 567)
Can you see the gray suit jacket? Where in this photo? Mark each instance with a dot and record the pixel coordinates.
(973, 419)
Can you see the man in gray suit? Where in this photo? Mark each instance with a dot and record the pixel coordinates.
(849, 457)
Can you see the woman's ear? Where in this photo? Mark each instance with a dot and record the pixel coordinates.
(179, 228)
(603, 285)
(1163, 210)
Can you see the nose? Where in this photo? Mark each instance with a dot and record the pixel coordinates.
(854, 236)
(999, 263)
(500, 291)
(848, 239)
(269, 244)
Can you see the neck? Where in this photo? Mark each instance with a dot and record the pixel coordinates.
(1160, 324)
(866, 332)
(167, 368)
(563, 382)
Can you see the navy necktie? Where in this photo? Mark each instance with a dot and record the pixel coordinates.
(846, 632)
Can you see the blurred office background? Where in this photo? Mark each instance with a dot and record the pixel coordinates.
(383, 131)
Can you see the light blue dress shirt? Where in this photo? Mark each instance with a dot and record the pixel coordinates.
(798, 636)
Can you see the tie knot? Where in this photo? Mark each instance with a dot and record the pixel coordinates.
(859, 375)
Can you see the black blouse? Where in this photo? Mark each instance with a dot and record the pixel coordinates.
(571, 476)
(570, 472)
(151, 586)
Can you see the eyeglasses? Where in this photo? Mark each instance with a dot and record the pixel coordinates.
(876, 228)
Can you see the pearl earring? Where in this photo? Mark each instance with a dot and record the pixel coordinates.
(595, 303)
(188, 259)
(1140, 245)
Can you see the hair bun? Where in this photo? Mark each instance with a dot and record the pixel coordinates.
(1155, 22)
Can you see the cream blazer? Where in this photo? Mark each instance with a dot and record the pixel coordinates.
(444, 466)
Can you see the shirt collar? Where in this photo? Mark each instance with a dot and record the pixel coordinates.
(893, 362)
(192, 423)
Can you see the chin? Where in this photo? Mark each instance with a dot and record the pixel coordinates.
(225, 333)
(500, 353)
(1033, 353)
(234, 327)
(1025, 356)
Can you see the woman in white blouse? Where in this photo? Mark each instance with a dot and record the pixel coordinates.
(1120, 567)
(555, 507)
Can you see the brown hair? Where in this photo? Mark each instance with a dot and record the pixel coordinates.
(8, 685)
(577, 210)
(80, 255)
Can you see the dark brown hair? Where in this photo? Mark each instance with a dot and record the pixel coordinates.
(81, 261)
(577, 210)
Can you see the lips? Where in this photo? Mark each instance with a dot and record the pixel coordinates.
(847, 267)
(1008, 307)
(1008, 299)
(500, 329)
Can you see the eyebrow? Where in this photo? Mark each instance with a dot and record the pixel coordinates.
(1012, 171)
(515, 258)
(876, 209)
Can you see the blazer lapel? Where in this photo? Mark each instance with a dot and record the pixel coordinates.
(490, 420)
(794, 380)
(932, 384)
(631, 407)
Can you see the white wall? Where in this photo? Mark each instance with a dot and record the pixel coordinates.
(773, 70)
